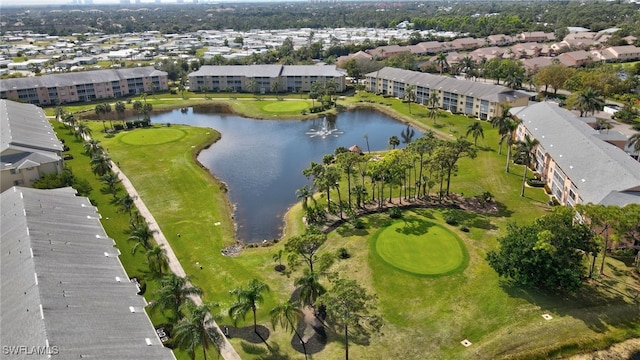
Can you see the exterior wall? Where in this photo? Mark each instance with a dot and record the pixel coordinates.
(561, 186)
(264, 84)
(87, 91)
(456, 103)
(26, 177)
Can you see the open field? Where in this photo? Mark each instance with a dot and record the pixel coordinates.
(424, 316)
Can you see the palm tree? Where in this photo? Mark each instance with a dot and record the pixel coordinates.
(441, 61)
(434, 102)
(514, 80)
(137, 106)
(407, 134)
(92, 147)
(100, 164)
(126, 204)
(157, 260)
(394, 141)
(83, 131)
(141, 234)
(59, 112)
(502, 123)
(111, 181)
(589, 101)
(476, 131)
(146, 110)
(603, 124)
(467, 65)
(99, 110)
(525, 150)
(70, 120)
(360, 192)
(173, 293)
(310, 287)
(409, 95)
(195, 329)
(287, 315)
(106, 110)
(120, 109)
(247, 298)
(511, 128)
(304, 193)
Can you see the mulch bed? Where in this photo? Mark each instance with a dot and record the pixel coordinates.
(247, 333)
(315, 344)
(453, 201)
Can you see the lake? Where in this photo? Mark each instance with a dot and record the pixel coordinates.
(261, 161)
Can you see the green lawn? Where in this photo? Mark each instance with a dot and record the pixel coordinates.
(424, 316)
(419, 247)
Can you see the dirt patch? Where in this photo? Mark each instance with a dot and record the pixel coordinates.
(627, 350)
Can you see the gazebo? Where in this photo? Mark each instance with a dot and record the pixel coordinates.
(356, 149)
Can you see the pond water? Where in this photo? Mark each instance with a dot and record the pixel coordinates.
(261, 161)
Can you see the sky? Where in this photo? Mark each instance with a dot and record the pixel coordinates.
(24, 3)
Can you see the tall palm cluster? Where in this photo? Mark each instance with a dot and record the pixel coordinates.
(395, 176)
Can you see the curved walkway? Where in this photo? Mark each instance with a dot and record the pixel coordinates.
(226, 350)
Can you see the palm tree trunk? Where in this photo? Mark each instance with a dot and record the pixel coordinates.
(304, 346)
(508, 156)
(524, 179)
(255, 320)
(346, 342)
(604, 255)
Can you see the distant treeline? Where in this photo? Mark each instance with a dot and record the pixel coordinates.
(478, 18)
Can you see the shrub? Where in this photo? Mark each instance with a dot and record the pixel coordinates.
(536, 183)
(343, 253)
(395, 213)
(118, 127)
(624, 252)
(464, 228)
(358, 224)
(451, 220)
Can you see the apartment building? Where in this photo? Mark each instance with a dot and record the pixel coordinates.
(84, 86)
(29, 147)
(477, 99)
(264, 78)
(574, 160)
(65, 293)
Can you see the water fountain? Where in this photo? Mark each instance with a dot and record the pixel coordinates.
(324, 130)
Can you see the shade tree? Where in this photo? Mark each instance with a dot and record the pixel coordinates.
(350, 307)
(547, 254)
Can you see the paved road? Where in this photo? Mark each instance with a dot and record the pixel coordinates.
(226, 350)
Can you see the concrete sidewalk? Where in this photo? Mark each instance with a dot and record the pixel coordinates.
(226, 350)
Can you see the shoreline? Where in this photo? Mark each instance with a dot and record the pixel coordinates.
(223, 106)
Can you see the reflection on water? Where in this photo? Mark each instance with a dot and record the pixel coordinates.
(261, 161)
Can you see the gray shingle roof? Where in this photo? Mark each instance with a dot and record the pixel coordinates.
(82, 77)
(59, 276)
(27, 126)
(239, 70)
(489, 92)
(271, 71)
(596, 167)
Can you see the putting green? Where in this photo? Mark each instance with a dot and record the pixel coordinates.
(420, 247)
(285, 106)
(152, 136)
